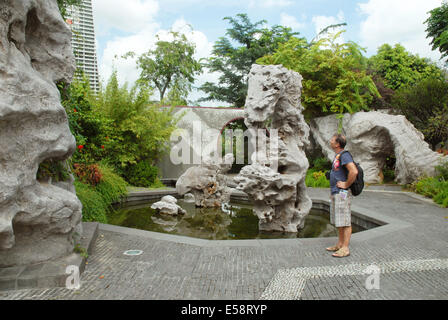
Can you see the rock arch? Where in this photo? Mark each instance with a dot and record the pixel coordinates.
(372, 136)
(209, 118)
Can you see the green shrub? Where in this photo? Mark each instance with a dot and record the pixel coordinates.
(112, 187)
(142, 174)
(97, 200)
(54, 169)
(433, 187)
(442, 196)
(389, 175)
(157, 184)
(425, 105)
(316, 179)
(442, 170)
(427, 187)
(94, 207)
(321, 164)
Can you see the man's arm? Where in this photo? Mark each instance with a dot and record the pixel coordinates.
(352, 173)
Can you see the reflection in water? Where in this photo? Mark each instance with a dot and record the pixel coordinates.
(231, 222)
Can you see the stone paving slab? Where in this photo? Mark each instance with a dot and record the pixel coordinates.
(413, 255)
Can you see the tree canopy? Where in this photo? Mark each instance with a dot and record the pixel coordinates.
(399, 68)
(425, 104)
(234, 62)
(437, 29)
(171, 66)
(334, 75)
(136, 130)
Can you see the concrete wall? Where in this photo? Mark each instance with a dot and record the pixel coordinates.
(209, 118)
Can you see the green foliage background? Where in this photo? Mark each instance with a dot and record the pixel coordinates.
(434, 187)
(399, 68)
(170, 67)
(425, 105)
(116, 130)
(334, 74)
(437, 29)
(233, 62)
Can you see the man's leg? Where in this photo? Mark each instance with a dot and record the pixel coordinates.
(333, 222)
(346, 235)
(343, 205)
(341, 237)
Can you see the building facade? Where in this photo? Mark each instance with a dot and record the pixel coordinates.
(80, 20)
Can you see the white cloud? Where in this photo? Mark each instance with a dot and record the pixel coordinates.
(128, 16)
(321, 22)
(269, 3)
(290, 21)
(144, 40)
(398, 21)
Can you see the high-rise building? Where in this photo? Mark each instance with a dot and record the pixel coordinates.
(80, 20)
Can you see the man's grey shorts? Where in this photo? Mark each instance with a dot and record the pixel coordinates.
(340, 209)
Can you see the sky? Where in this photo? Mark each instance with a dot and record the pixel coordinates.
(132, 25)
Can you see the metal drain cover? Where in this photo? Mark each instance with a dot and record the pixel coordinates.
(133, 252)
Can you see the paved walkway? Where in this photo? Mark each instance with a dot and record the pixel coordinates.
(410, 253)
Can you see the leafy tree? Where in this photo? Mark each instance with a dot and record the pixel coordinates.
(384, 101)
(63, 4)
(137, 131)
(170, 66)
(425, 105)
(334, 75)
(234, 62)
(399, 68)
(438, 29)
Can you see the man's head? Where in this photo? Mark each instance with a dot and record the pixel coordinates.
(338, 142)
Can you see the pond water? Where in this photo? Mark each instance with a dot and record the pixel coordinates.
(233, 221)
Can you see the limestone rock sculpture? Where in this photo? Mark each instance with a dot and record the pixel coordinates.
(275, 181)
(189, 197)
(207, 182)
(372, 137)
(168, 205)
(37, 220)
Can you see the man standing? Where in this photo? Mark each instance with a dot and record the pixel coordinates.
(343, 174)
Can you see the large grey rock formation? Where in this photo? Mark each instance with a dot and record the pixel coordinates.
(37, 220)
(207, 182)
(372, 137)
(275, 182)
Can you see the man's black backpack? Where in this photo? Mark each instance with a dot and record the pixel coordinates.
(358, 184)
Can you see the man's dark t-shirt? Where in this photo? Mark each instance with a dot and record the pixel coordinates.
(338, 173)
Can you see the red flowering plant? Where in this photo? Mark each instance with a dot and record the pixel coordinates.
(88, 173)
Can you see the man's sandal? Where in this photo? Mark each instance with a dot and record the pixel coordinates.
(334, 248)
(341, 253)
